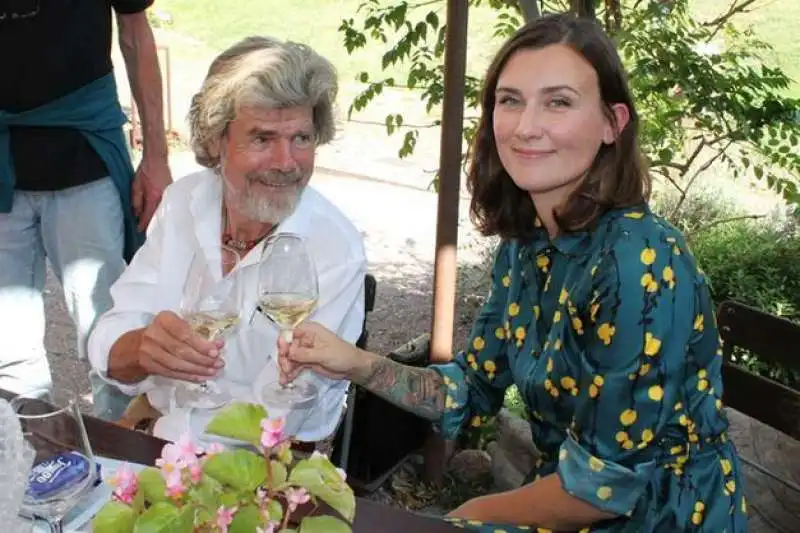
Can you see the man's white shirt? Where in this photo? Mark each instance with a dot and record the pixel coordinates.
(189, 218)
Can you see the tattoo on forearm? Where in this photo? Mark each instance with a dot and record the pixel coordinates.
(418, 390)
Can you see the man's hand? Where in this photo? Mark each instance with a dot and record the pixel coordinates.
(151, 179)
(141, 62)
(171, 349)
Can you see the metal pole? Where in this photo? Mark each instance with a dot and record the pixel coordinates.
(444, 281)
(437, 450)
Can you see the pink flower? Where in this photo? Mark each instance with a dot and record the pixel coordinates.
(187, 447)
(170, 459)
(224, 518)
(214, 448)
(178, 455)
(272, 432)
(125, 483)
(296, 497)
(196, 473)
(175, 485)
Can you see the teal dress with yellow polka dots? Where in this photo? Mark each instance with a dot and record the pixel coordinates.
(611, 339)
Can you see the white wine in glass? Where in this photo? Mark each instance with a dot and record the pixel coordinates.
(287, 310)
(212, 304)
(287, 290)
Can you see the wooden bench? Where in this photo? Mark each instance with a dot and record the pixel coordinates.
(764, 414)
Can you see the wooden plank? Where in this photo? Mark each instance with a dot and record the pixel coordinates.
(770, 337)
(110, 440)
(762, 399)
(771, 505)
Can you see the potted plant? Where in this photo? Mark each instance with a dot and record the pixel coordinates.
(239, 490)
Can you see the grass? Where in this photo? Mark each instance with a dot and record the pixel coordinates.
(219, 23)
(770, 20)
(222, 22)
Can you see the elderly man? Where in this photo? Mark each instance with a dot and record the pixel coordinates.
(263, 109)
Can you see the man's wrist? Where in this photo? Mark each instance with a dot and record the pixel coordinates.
(123, 358)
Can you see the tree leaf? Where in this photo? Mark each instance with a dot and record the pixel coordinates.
(163, 517)
(240, 421)
(323, 524)
(152, 485)
(321, 479)
(241, 469)
(114, 517)
(246, 520)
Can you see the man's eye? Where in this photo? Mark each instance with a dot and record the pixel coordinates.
(303, 139)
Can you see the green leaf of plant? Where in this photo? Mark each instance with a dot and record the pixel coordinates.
(114, 517)
(228, 499)
(246, 520)
(275, 510)
(279, 473)
(152, 485)
(323, 524)
(320, 477)
(241, 421)
(165, 518)
(241, 469)
(207, 493)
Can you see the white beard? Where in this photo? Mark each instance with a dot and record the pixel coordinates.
(257, 202)
(267, 208)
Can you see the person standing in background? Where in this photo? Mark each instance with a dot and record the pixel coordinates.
(68, 189)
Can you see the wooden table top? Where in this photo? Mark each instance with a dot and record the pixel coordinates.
(110, 440)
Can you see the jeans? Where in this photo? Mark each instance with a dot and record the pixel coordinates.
(80, 231)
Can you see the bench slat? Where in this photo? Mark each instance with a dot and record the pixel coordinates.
(770, 337)
(763, 399)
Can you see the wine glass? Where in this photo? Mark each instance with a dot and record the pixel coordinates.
(64, 469)
(211, 304)
(287, 294)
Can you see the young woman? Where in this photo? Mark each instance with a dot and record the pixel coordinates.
(597, 312)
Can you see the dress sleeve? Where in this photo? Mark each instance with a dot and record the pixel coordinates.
(478, 377)
(649, 308)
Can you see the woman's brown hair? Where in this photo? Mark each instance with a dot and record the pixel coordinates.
(617, 177)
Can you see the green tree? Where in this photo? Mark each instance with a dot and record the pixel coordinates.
(705, 95)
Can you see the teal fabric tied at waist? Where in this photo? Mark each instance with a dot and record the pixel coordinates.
(93, 110)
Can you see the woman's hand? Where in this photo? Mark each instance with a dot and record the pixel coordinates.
(318, 349)
(474, 509)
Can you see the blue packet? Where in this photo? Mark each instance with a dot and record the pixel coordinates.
(55, 473)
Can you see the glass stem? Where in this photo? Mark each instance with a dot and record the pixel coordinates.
(56, 526)
(287, 335)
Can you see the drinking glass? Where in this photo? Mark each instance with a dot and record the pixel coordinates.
(212, 304)
(56, 432)
(287, 294)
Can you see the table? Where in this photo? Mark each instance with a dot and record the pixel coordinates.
(110, 440)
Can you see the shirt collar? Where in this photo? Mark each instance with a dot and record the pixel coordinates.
(206, 209)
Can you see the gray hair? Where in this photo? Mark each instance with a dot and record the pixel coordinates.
(266, 73)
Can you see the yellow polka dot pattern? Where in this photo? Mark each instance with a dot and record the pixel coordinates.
(594, 352)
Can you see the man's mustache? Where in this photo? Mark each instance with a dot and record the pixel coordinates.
(275, 178)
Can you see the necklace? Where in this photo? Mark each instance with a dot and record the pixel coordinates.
(238, 244)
